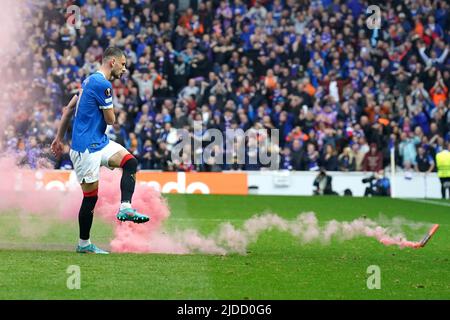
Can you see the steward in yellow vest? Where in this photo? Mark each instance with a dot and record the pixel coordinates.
(443, 168)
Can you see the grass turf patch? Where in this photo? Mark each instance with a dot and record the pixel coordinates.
(33, 264)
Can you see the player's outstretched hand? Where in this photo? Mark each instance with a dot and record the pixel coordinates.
(57, 147)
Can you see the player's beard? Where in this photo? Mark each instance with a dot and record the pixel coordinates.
(115, 76)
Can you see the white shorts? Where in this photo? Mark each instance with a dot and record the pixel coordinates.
(87, 165)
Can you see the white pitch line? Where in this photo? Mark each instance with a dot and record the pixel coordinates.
(436, 203)
(205, 219)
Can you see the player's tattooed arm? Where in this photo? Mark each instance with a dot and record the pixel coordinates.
(65, 119)
(72, 103)
(110, 116)
(57, 144)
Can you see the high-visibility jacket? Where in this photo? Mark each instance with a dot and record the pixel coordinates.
(443, 164)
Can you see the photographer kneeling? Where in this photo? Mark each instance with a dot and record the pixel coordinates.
(322, 183)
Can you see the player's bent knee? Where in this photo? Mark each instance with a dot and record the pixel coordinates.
(129, 164)
(89, 187)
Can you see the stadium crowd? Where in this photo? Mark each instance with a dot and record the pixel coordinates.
(341, 94)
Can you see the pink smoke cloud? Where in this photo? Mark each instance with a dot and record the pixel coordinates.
(22, 194)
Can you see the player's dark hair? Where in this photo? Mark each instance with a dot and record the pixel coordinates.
(112, 52)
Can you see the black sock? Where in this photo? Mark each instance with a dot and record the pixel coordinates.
(86, 216)
(128, 181)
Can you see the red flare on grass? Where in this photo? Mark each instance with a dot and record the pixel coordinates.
(411, 244)
(429, 235)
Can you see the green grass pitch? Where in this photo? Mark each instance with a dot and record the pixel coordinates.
(33, 264)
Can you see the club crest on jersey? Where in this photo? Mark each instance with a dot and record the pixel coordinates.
(108, 92)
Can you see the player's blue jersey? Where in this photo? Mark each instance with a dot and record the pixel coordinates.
(89, 125)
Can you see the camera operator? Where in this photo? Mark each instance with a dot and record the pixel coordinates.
(322, 184)
(379, 185)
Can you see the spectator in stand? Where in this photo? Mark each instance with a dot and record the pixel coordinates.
(424, 161)
(311, 158)
(329, 160)
(407, 149)
(373, 160)
(346, 160)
